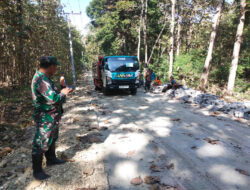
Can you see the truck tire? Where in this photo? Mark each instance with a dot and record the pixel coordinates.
(96, 88)
(134, 91)
(105, 91)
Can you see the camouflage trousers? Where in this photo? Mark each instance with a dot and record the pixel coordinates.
(47, 128)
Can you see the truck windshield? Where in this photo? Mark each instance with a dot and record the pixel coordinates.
(122, 64)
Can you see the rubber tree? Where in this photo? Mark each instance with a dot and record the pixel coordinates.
(139, 30)
(179, 30)
(215, 25)
(236, 50)
(171, 52)
(145, 31)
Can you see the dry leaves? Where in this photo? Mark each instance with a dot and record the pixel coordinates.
(175, 119)
(151, 179)
(136, 181)
(212, 141)
(170, 166)
(131, 153)
(155, 168)
(5, 151)
(244, 172)
(140, 131)
(127, 130)
(214, 114)
(89, 171)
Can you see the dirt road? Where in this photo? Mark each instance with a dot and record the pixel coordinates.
(110, 140)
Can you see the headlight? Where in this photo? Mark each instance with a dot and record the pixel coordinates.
(109, 80)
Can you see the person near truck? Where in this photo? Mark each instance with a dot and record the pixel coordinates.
(148, 80)
(47, 102)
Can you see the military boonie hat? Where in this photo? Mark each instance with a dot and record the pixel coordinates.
(49, 60)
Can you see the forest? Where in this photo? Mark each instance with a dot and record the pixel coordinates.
(206, 41)
(29, 30)
(203, 40)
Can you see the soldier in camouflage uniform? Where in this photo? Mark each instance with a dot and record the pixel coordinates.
(48, 104)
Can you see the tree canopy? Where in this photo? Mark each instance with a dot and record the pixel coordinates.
(29, 30)
(115, 26)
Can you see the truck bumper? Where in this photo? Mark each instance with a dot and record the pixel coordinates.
(121, 86)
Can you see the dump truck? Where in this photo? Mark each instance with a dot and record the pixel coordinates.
(116, 73)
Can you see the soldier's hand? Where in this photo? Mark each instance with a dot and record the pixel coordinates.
(66, 90)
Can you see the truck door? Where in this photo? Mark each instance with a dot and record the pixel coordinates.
(103, 73)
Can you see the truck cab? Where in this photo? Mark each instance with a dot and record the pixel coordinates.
(116, 72)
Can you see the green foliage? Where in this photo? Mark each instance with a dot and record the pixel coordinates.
(38, 30)
(115, 30)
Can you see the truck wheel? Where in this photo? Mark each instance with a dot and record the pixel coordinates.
(97, 88)
(134, 91)
(105, 91)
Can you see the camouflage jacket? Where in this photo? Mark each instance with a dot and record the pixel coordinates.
(46, 98)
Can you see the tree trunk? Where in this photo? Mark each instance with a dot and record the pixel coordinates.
(139, 30)
(206, 68)
(179, 32)
(20, 52)
(236, 51)
(171, 53)
(145, 32)
(191, 26)
(157, 40)
(190, 32)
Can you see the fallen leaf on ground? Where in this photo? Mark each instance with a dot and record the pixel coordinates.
(140, 131)
(103, 128)
(151, 179)
(212, 141)
(94, 105)
(5, 151)
(106, 121)
(155, 168)
(194, 147)
(244, 172)
(170, 166)
(238, 147)
(89, 171)
(136, 181)
(131, 153)
(214, 114)
(175, 119)
(127, 129)
(123, 137)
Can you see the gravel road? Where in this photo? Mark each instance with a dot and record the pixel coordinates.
(147, 141)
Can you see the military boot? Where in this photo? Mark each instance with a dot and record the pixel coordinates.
(51, 156)
(38, 172)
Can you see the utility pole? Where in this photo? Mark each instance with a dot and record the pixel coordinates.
(83, 67)
(71, 45)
